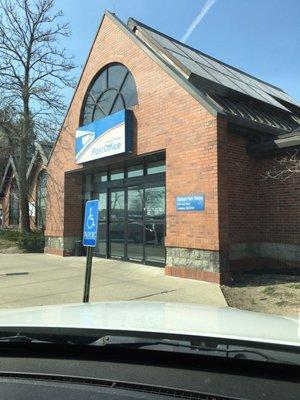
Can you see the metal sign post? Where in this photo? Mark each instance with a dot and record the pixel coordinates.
(89, 241)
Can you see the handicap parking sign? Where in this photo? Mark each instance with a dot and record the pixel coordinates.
(90, 223)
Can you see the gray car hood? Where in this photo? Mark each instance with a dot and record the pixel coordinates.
(155, 317)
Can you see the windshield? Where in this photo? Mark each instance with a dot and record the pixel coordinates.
(149, 175)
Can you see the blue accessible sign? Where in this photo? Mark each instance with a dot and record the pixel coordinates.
(90, 223)
(190, 203)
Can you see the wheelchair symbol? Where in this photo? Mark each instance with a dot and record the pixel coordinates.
(90, 220)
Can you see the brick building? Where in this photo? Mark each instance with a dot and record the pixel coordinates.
(173, 143)
(37, 181)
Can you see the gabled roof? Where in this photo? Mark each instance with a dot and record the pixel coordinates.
(46, 147)
(42, 150)
(240, 95)
(220, 88)
(10, 168)
(208, 103)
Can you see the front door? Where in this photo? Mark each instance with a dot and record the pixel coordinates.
(117, 223)
(135, 224)
(132, 227)
(154, 224)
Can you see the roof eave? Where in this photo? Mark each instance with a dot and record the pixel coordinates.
(257, 126)
(275, 146)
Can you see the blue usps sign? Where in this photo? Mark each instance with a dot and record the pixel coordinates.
(190, 203)
(105, 137)
(90, 223)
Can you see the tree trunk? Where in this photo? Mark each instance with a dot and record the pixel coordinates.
(23, 187)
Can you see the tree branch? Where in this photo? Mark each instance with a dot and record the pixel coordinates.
(285, 167)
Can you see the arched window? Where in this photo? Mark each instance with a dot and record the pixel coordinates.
(41, 200)
(112, 90)
(14, 203)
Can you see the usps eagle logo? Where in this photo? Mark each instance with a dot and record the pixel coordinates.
(83, 140)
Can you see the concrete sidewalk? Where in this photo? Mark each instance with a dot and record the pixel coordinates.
(38, 279)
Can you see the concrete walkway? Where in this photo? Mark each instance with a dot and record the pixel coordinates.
(38, 279)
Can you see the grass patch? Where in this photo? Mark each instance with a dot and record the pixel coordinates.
(294, 286)
(282, 303)
(266, 293)
(269, 290)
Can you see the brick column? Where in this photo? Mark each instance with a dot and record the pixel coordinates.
(62, 241)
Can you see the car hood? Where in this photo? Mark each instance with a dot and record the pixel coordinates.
(163, 318)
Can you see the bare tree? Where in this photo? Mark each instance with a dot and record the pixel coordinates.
(284, 167)
(34, 68)
(4, 155)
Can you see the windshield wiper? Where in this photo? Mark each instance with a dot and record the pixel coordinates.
(21, 339)
(215, 348)
(38, 338)
(224, 350)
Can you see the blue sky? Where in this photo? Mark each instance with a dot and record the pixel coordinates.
(261, 37)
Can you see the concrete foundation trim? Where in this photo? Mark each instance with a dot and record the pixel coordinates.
(205, 260)
(59, 245)
(276, 251)
(203, 265)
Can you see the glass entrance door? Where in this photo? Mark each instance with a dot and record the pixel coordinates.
(132, 223)
(154, 225)
(101, 248)
(135, 235)
(117, 223)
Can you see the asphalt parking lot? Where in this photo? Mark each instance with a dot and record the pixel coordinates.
(39, 279)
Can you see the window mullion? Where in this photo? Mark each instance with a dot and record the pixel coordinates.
(113, 103)
(119, 93)
(97, 104)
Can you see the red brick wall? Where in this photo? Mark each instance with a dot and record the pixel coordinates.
(260, 211)
(73, 201)
(242, 191)
(223, 179)
(279, 206)
(168, 118)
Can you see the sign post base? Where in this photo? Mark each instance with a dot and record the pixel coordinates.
(88, 273)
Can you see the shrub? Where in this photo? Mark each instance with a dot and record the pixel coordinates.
(33, 242)
(10, 234)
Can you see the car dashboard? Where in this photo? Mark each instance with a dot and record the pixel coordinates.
(42, 372)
